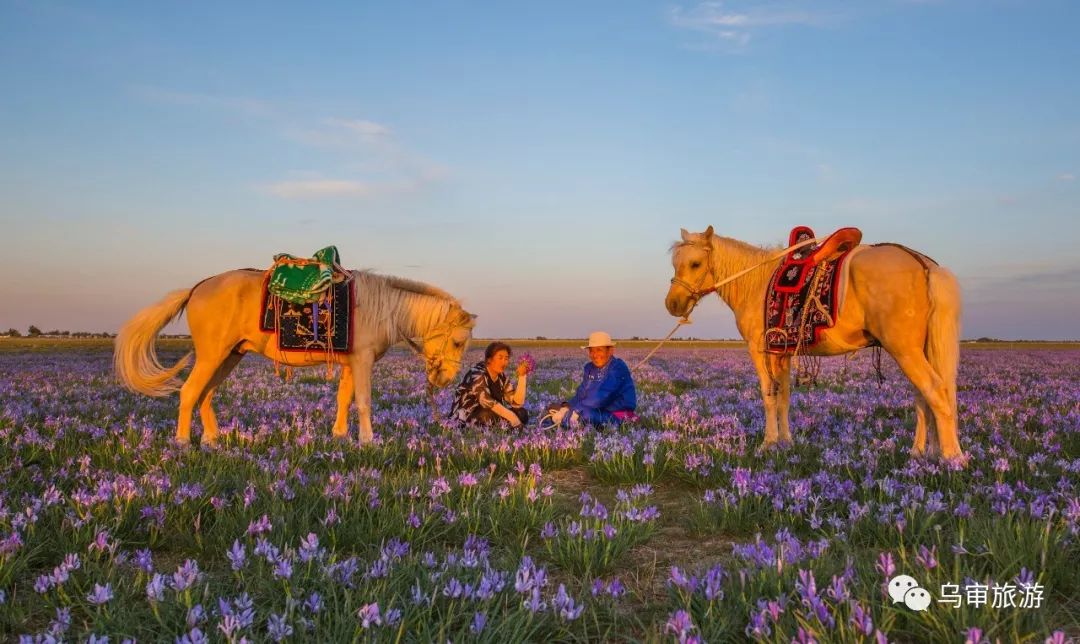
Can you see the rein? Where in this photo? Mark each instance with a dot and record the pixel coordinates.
(696, 294)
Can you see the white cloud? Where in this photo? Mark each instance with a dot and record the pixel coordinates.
(366, 129)
(736, 22)
(1066, 176)
(368, 160)
(384, 166)
(318, 188)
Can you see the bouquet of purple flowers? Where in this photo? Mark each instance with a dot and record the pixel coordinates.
(528, 361)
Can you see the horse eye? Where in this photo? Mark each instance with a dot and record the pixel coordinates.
(695, 264)
(458, 345)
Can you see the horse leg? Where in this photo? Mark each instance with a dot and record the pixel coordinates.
(934, 394)
(782, 369)
(769, 395)
(361, 366)
(191, 393)
(344, 400)
(924, 428)
(206, 410)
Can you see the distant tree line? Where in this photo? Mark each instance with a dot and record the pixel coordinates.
(638, 338)
(991, 340)
(34, 332)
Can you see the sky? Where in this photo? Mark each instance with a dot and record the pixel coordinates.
(536, 160)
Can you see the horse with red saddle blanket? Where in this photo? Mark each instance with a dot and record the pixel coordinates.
(827, 298)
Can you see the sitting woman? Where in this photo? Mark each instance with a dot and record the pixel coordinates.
(485, 395)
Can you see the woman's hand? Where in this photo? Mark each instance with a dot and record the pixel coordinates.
(522, 369)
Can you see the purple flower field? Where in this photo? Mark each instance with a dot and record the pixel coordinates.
(672, 528)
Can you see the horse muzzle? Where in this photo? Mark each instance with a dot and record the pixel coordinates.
(677, 304)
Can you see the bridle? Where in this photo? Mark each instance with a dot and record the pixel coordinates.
(433, 363)
(696, 293)
(695, 290)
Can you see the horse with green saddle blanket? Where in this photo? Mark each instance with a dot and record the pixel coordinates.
(308, 303)
(225, 322)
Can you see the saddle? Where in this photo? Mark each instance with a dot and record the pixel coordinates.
(795, 268)
(804, 292)
(308, 303)
(301, 280)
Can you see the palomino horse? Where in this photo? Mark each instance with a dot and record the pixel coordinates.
(912, 311)
(223, 314)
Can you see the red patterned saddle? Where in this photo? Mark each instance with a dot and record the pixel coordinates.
(803, 298)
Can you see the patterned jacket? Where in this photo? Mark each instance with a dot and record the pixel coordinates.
(478, 391)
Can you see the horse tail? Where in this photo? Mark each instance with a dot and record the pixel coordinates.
(943, 332)
(134, 358)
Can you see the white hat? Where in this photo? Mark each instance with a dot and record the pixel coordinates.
(599, 339)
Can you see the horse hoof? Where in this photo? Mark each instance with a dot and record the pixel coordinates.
(958, 461)
(786, 443)
(765, 448)
(342, 436)
(181, 442)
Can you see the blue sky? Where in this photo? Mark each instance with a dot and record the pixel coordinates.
(535, 160)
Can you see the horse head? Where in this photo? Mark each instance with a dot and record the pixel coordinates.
(445, 344)
(692, 260)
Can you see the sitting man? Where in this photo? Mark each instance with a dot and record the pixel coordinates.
(485, 395)
(606, 395)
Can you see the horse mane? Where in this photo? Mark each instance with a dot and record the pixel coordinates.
(725, 243)
(412, 286)
(403, 307)
(730, 256)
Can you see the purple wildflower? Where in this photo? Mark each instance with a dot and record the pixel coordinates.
(194, 636)
(278, 628)
(478, 622)
(155, 588)
(260, 526)
(100, 595)
(186, 575)
(237, 555)
(369, 615)
(680, 624)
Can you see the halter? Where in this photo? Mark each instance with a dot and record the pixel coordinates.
(434, 362)
(695, 291)
(696, 294)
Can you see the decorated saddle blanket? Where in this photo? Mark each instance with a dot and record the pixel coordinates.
(300, 279)
(805, 292)
(323, 325)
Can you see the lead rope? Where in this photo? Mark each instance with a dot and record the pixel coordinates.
(430, 387)
(726, 280)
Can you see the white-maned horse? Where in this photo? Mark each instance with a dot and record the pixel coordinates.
(911, 306)
(223, 314)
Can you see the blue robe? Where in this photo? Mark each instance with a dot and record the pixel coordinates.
(603, 391)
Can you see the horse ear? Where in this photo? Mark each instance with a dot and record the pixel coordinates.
(708, 233)
(685, 235)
